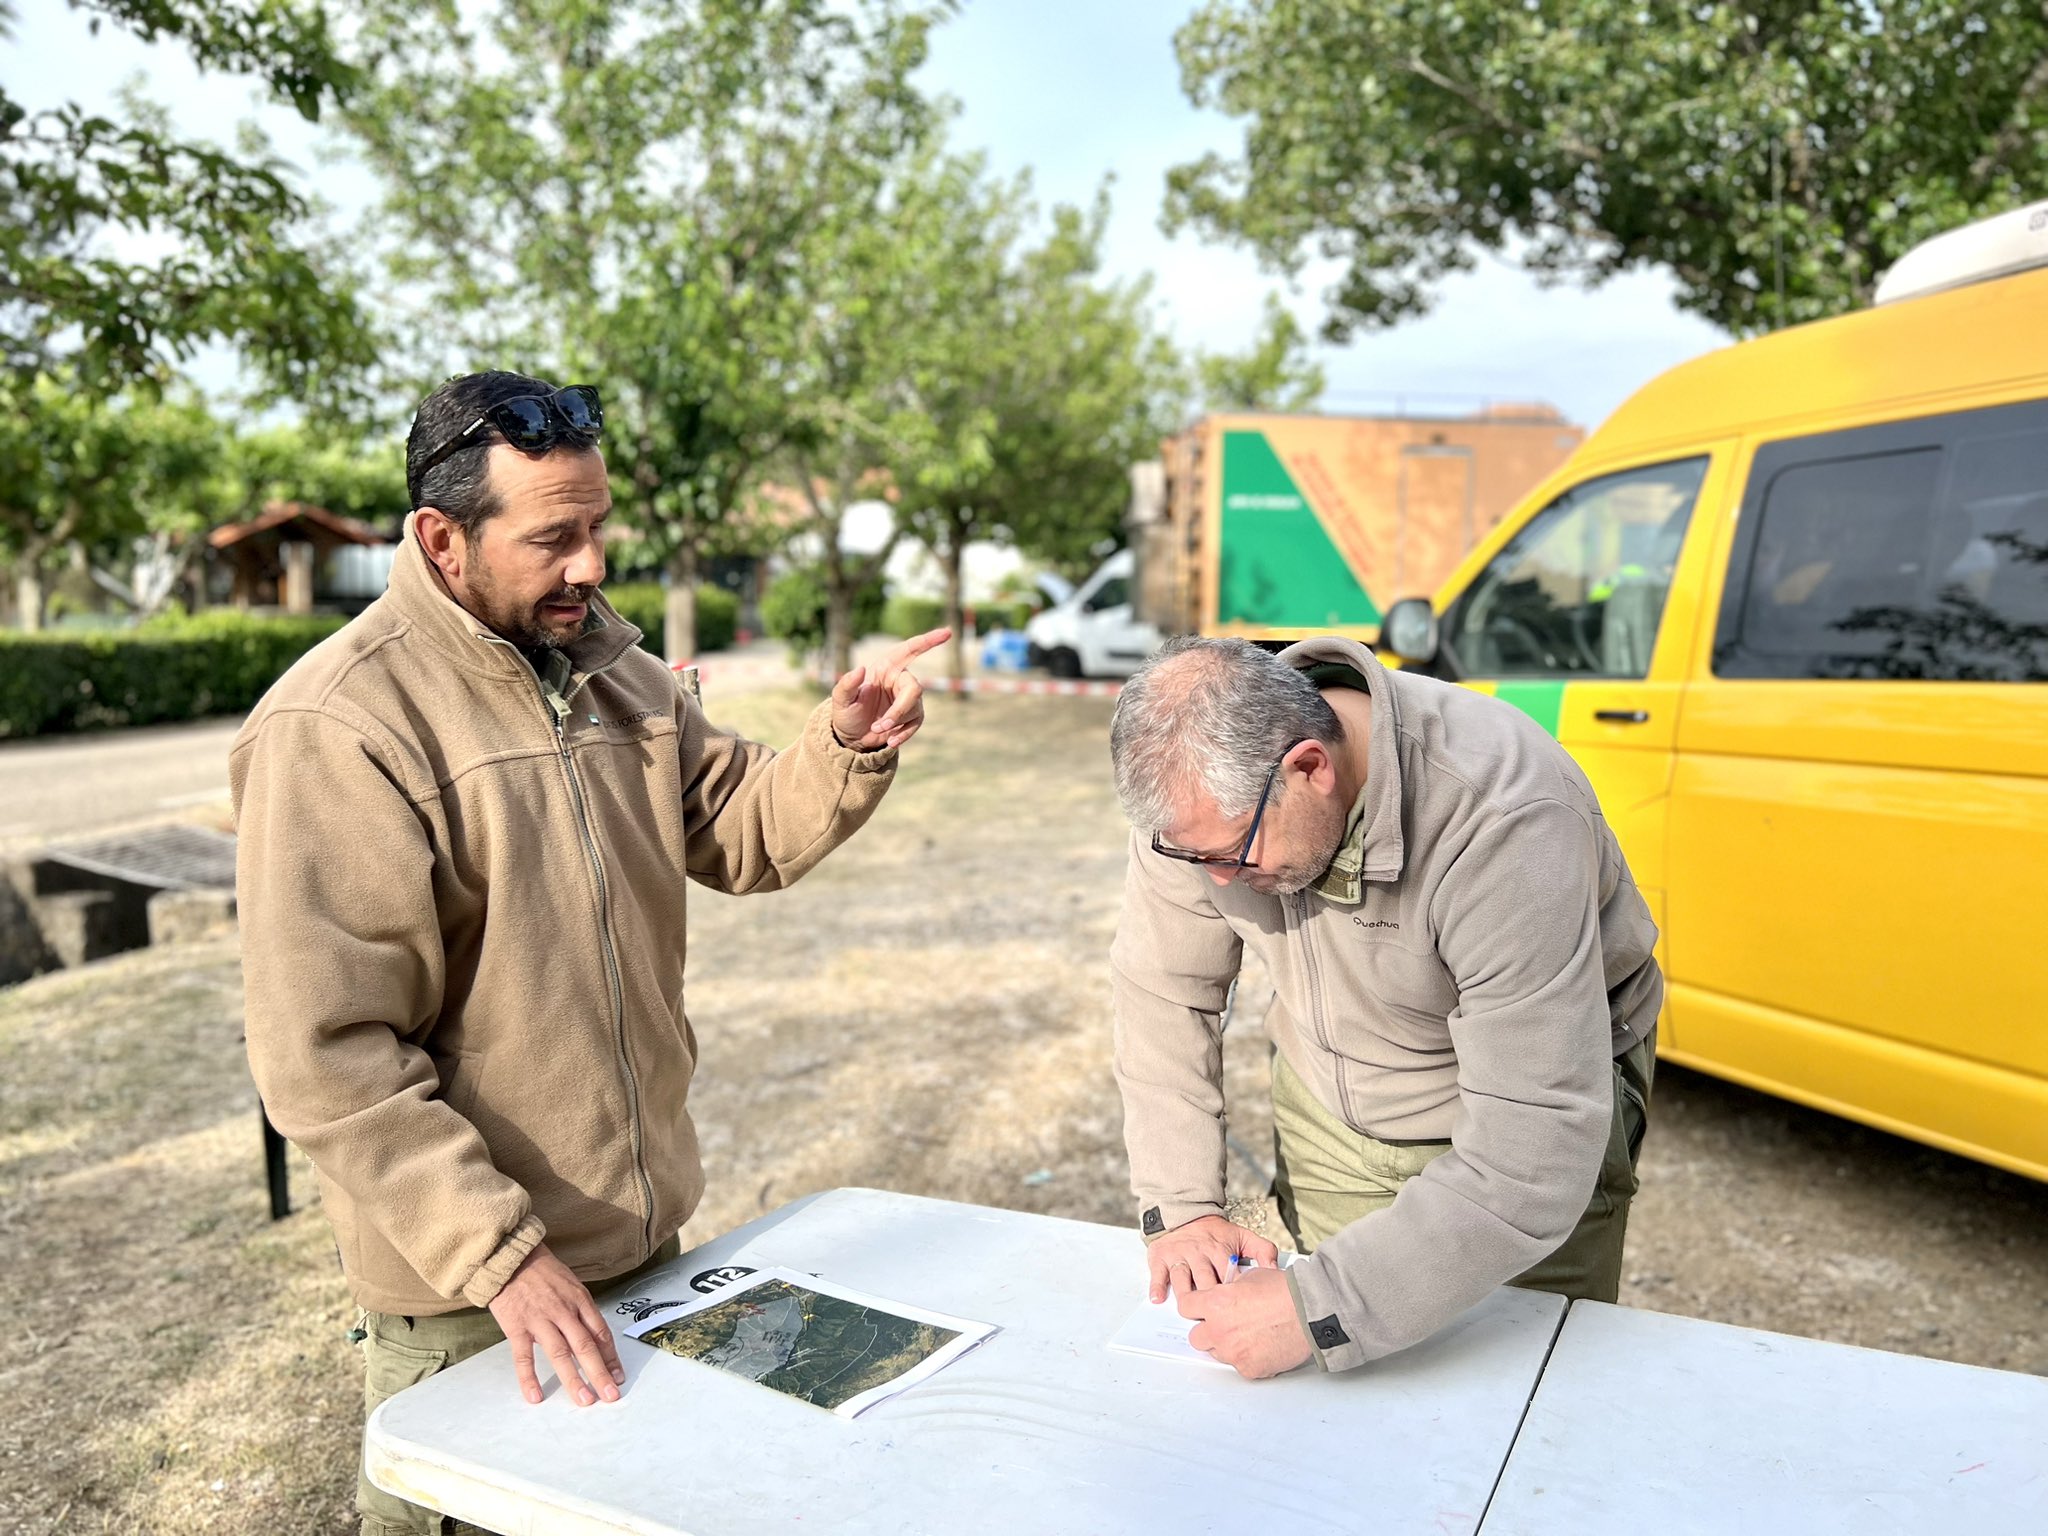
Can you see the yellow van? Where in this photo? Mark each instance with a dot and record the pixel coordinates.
(1789, 608)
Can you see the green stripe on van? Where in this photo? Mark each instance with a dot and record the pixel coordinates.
(1541, 702)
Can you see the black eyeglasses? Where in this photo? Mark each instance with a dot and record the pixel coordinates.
(534, 423)
(1243, 860)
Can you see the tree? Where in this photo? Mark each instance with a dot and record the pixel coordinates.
(175, 483)
(67, 461)
(638, 191)
(1777, 158)
(77, 189)
(877, 414)
(1045, 384)
(329, 468)
(134, 485)
(89, 338)
(1274, 374)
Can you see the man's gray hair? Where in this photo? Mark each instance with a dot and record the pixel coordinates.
(1214, 715)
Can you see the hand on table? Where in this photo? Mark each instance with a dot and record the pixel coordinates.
(545, 1304)
(883, 707)
(1197, 1256)
(1248, 1324)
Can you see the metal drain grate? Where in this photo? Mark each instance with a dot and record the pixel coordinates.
(179, 858)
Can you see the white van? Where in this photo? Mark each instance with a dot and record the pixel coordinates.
(1094, 633)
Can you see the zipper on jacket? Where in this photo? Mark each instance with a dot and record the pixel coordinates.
(558, 708)
(1315, 1004)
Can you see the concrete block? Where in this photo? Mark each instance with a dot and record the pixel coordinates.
(177, 917)
(84, 925)
(23, 952)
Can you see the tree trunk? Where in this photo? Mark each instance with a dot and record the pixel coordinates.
(839, 592)
(28, 593)
(951, 554)
(679, 617)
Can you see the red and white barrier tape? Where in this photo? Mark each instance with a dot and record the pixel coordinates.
(1023, 685)
(1070, 688)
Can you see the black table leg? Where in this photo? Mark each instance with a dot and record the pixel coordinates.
(274, 1169)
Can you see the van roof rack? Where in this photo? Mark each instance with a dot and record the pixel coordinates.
(1995, 247)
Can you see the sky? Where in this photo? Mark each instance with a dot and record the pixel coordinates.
(1073, 90)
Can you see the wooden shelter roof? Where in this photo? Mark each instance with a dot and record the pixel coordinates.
(277, 514)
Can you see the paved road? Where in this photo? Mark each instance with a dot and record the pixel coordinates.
(64, 787)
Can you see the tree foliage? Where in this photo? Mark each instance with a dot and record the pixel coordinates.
(1775, 157)
(85, 473)
(644, 192)
(1032, 386)
(82, 193)
(1275, 373)
(134, 484)
(325, 468)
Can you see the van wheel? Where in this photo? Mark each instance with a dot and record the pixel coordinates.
(1063, 661)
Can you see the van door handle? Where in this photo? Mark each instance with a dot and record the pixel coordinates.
(1622, 716)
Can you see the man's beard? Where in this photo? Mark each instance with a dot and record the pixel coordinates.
(1322, 838)
(526, 626)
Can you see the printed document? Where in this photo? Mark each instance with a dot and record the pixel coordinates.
(805, 1337)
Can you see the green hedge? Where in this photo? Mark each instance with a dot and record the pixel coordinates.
(644, 604)
(991, 616)
(169, 669)
(793, 609)
(217, 663)
(907, 616)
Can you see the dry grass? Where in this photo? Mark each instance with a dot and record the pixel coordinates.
(927, 1012)
(175, 1362)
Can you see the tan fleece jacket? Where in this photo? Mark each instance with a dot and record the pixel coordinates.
(462, 909)
(1499, 958)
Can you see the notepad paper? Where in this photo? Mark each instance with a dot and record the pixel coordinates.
(1158, 1329)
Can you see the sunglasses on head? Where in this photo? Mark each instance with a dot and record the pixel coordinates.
(533, 423)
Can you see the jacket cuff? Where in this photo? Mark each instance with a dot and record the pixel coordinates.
(1162, 1216)
(881, 760)
(1316, 1307)
(495, 1272)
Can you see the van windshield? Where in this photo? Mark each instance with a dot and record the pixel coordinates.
(1579, 591)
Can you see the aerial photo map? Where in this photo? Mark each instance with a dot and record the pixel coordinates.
(817, 1347)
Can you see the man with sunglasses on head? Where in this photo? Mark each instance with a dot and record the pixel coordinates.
(467, 824)
(1465, 998)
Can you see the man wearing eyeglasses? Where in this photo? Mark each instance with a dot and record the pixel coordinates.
(1465, 997)
(467, 824)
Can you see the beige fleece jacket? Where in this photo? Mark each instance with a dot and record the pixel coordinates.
(462, 908)
(1499, 958)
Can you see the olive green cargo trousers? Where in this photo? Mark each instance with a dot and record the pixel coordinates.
(1330, 1175)
(401, 1351)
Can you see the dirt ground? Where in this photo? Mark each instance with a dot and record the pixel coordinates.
(927, 1012)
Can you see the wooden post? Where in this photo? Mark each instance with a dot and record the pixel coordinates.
(298, 575)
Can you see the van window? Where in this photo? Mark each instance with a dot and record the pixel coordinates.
(1112, 593)
(1580, 589)
(1923, 559)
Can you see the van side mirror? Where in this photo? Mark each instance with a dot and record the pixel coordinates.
(1410, 631)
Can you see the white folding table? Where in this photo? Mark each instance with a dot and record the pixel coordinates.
(1649, 1423)
(1042, 1429)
